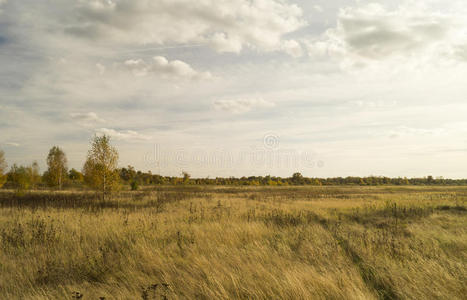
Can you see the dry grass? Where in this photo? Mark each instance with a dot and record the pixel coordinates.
(244, 243)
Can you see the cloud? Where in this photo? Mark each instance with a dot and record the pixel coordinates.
(242, 105)
(318, 8)
(101, 68)
(222, 43)
(227, 26)
(372, 32)
(159, 65)
(402, 131)
(123, 135)
(2, 2)
(375, 104)
(292, 48)
(12, 144)
(87, 119)
(460, 52)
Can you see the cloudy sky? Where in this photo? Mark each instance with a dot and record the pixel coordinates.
(239, 87)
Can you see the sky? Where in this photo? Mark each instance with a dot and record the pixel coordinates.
(239, 87)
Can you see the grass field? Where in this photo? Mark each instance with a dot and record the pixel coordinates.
(236, 243)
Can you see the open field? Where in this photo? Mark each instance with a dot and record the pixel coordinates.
(236, 243)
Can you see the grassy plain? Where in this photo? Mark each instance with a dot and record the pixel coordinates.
(192, 242)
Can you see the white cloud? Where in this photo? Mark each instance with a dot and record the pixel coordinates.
(123, 135)
(460, 52)
(87, 119)
(326, 46)
(2, 2)
(159, 65)
(227, 26)
(242, 105)
(223, 43)
(292, 48)
(318, 8)
(374, 104)
(12, 144)
(101, 68)
(373, 33)
(402, 131)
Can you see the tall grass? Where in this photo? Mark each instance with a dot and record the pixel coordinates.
(236, 243)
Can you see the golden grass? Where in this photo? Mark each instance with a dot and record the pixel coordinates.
(236, 243)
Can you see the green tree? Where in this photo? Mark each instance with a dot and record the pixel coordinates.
(430, 180)
(24, 178)
(186, 177)
(3, 167)
(19, 176)
(100, 169)
(34, 174)
(75, 176)
(57, 167)
(134, 185)
(297, 178)
(128, 174)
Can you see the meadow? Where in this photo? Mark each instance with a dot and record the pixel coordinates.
(196, 242)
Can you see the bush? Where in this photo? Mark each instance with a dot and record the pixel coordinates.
(134, 185)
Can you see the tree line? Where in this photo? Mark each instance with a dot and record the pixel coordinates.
(101, 173)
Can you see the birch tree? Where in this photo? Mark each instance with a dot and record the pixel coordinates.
(3, 167)
(57, 167)
(100, 169)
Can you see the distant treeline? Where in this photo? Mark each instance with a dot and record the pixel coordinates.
(100, 172)
(129, 175)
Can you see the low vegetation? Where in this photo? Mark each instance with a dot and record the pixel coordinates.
(210, 242)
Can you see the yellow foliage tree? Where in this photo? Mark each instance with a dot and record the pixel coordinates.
(57, 167)
(100, 169)
(3, 167)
